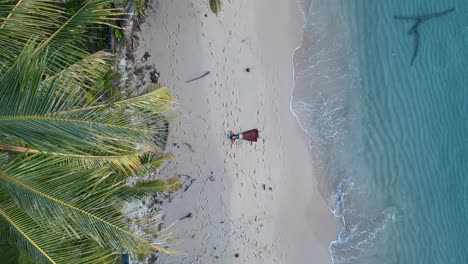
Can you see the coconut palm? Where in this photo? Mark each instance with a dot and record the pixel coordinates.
(66, 150)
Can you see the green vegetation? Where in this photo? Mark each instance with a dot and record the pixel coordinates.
(10, 254)
(97, 36)
(140, 9)
(68, 145)
(216, 5)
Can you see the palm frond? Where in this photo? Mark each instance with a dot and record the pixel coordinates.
(152, 161)
(46, 245)
(215, 6)
(66, 152)
(34, 117)
(3, 158)
(21, 25)
(85, 78)
(61, 196)
(59, 33)
(151, 187)
(65, 43)
(126, 164)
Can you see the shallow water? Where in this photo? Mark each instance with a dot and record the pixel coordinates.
(389, 140)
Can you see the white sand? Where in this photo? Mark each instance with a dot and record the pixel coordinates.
(232, 213)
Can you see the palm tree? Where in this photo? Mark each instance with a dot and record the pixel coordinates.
(67, 149)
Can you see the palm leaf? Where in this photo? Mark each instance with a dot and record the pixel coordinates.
(43, 244)
(67, 153)
(60, 34)
(20, 25)
(85, 77)
(3, 158)
(66, 43)
(151, 187)
(215, 6)
(32, 116)
(76, 207)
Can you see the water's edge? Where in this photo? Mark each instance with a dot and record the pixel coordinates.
(303, 7)
(387, 137)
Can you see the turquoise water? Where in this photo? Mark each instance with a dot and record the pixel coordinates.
(389, 139)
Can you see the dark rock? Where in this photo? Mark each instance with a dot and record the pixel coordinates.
(153, 259)
(154, 76)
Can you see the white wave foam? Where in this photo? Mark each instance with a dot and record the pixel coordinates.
(359, 231)
(320, 110)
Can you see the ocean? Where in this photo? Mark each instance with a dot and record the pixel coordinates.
(385, 104)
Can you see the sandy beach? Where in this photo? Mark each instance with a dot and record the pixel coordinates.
(249, 203)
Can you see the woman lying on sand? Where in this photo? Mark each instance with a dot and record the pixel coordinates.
(251, 135)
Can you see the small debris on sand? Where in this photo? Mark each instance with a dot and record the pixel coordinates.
(212, 177)
(189, 184)
(189, 215)
(189, 146)
(154, 76)
(194, 79)
(146, 56)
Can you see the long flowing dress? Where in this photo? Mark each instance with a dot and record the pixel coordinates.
(251, 135)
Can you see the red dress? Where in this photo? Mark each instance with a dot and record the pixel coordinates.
(251, 135)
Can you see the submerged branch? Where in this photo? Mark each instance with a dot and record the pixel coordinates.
(415, 28)
(426, 17)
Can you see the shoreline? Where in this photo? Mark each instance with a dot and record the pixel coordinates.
(339, 220)
(250, 203)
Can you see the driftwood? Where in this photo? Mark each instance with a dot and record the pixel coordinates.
(205, 74)
(189, 215)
